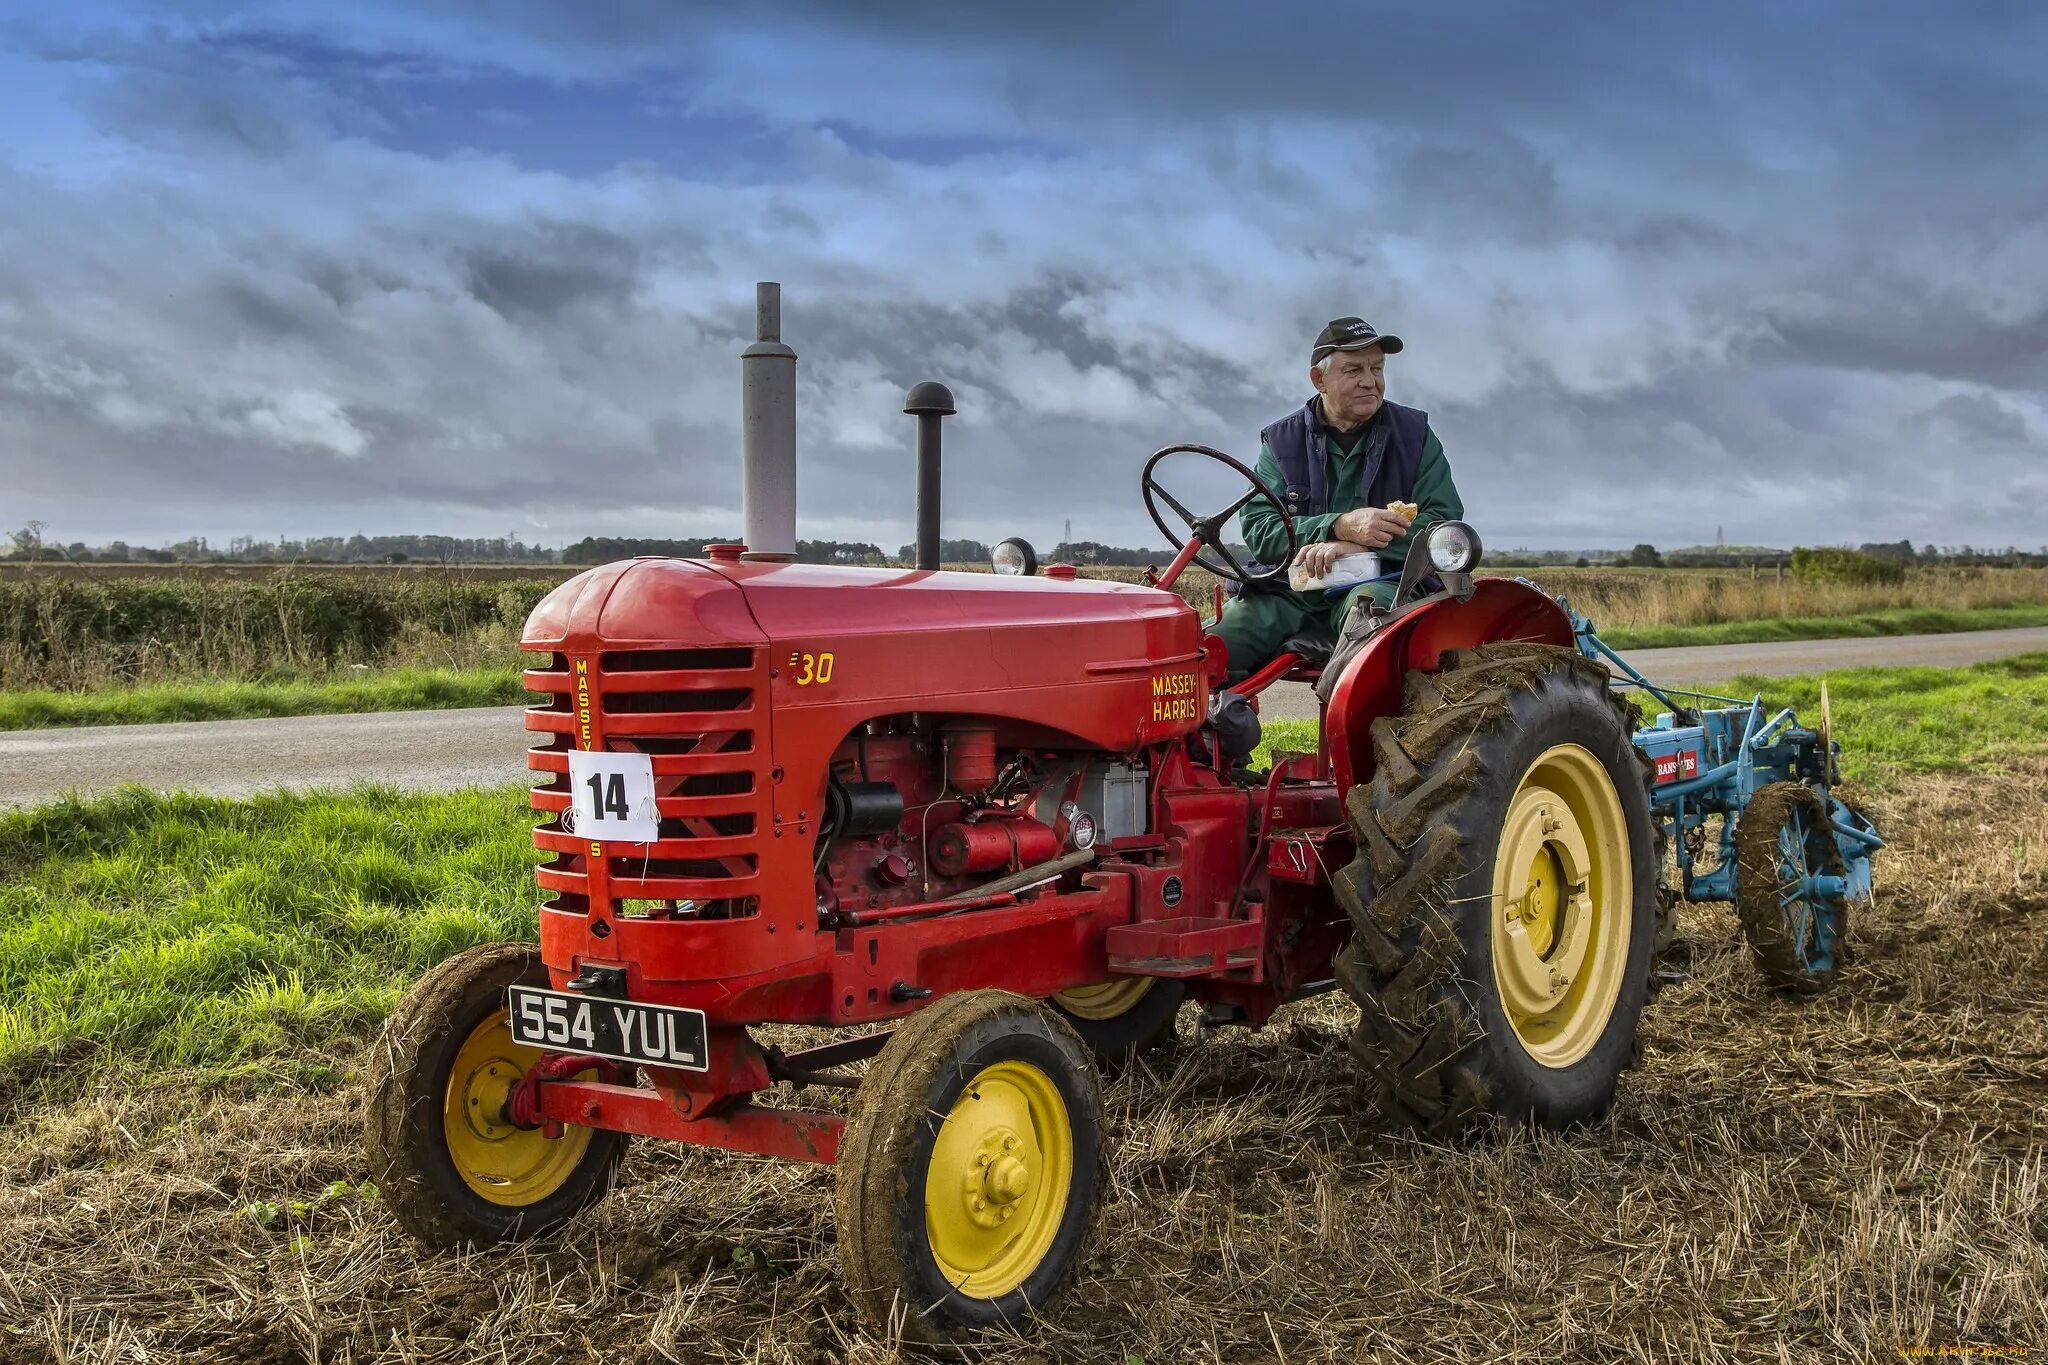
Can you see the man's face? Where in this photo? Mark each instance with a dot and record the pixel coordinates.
(1353, 385)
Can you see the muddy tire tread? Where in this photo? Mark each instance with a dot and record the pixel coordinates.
(1756, 880)
(874, 1182)
(398, 1114)
(1414, 1031)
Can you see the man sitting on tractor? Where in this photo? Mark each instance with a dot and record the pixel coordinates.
(1342, 460)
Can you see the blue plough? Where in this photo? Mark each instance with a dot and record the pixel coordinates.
(1790, 854)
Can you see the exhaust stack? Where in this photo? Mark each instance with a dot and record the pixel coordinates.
(768, 433)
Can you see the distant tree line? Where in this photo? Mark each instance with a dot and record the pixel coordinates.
(605, 549)
(950, 552)
(28, 544)
(1646, 556)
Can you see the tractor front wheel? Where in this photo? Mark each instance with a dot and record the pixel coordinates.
(1123, 1017)
(968, 1180)
(449, 1163)
(1504, 900)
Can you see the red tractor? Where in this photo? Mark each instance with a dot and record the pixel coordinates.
(984, 828)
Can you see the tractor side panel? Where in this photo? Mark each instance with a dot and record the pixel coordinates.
(1499, 609)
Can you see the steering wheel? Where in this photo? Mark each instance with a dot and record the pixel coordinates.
(1209, 530)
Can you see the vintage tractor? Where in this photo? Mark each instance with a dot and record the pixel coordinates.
(986, 826)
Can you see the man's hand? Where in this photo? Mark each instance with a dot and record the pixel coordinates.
(1371, 527)
(1318, 559)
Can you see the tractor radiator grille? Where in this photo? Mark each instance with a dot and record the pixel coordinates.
(700, 715)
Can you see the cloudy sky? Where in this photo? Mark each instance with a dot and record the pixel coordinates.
(303, 269)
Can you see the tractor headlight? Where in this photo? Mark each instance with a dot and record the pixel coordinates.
(1014, 557)
(1453, 547)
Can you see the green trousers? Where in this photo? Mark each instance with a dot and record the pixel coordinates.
(1256, 624)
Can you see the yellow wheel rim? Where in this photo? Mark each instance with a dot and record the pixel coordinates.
(996, 1191)
(512, 1166)
(1562, 891)
(1106, 1000)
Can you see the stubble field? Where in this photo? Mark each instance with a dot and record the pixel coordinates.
(1830, 1179)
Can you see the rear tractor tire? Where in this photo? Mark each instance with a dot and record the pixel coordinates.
(1124, 1017)
(1504, 900)
(968, 1179)
(451, 1167)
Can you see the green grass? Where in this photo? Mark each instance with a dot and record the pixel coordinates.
(1909, 621)
(399, 689)
(1889, 721)
(1295, 736)
(260, 942)
(263, 938)
(1892, 721)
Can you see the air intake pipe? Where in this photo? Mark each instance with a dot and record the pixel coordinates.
(931, 403)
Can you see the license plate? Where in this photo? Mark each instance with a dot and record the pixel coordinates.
(623, 1030)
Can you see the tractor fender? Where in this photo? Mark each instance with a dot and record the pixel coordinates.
(1499, 609)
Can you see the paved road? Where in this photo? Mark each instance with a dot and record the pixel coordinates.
(1692, 665)
(441, 750)
(424, 750)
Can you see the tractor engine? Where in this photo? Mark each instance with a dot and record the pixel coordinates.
(919, 809)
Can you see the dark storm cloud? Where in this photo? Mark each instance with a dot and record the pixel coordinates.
(1659, 269)
(558, 267)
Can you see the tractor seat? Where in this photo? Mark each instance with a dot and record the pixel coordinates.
(1314, 647)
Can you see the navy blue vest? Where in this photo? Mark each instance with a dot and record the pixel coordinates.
(1393, 457)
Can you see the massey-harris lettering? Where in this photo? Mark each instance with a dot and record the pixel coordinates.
(583, 733)
(583, 703)
(1176, 696)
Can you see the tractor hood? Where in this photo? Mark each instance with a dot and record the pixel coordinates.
(894, 632)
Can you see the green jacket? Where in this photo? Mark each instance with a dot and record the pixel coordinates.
(1435, 496)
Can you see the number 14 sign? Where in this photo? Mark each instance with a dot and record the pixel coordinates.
(613, 797)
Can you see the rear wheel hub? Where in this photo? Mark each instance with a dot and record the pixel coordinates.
(1562, 882)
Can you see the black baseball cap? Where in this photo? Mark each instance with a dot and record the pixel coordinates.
(1351, 334)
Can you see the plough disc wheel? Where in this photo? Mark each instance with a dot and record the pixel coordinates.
(969, 1177)
(1504, 900)
(446, 1160)
(1785, 858)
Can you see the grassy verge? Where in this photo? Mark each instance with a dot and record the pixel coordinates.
(265, 936)
(1891, 721)
(399, 689)
(1864, 625)
(1895, 721)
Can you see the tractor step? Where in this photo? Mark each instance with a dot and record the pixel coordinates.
(1184, 947)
